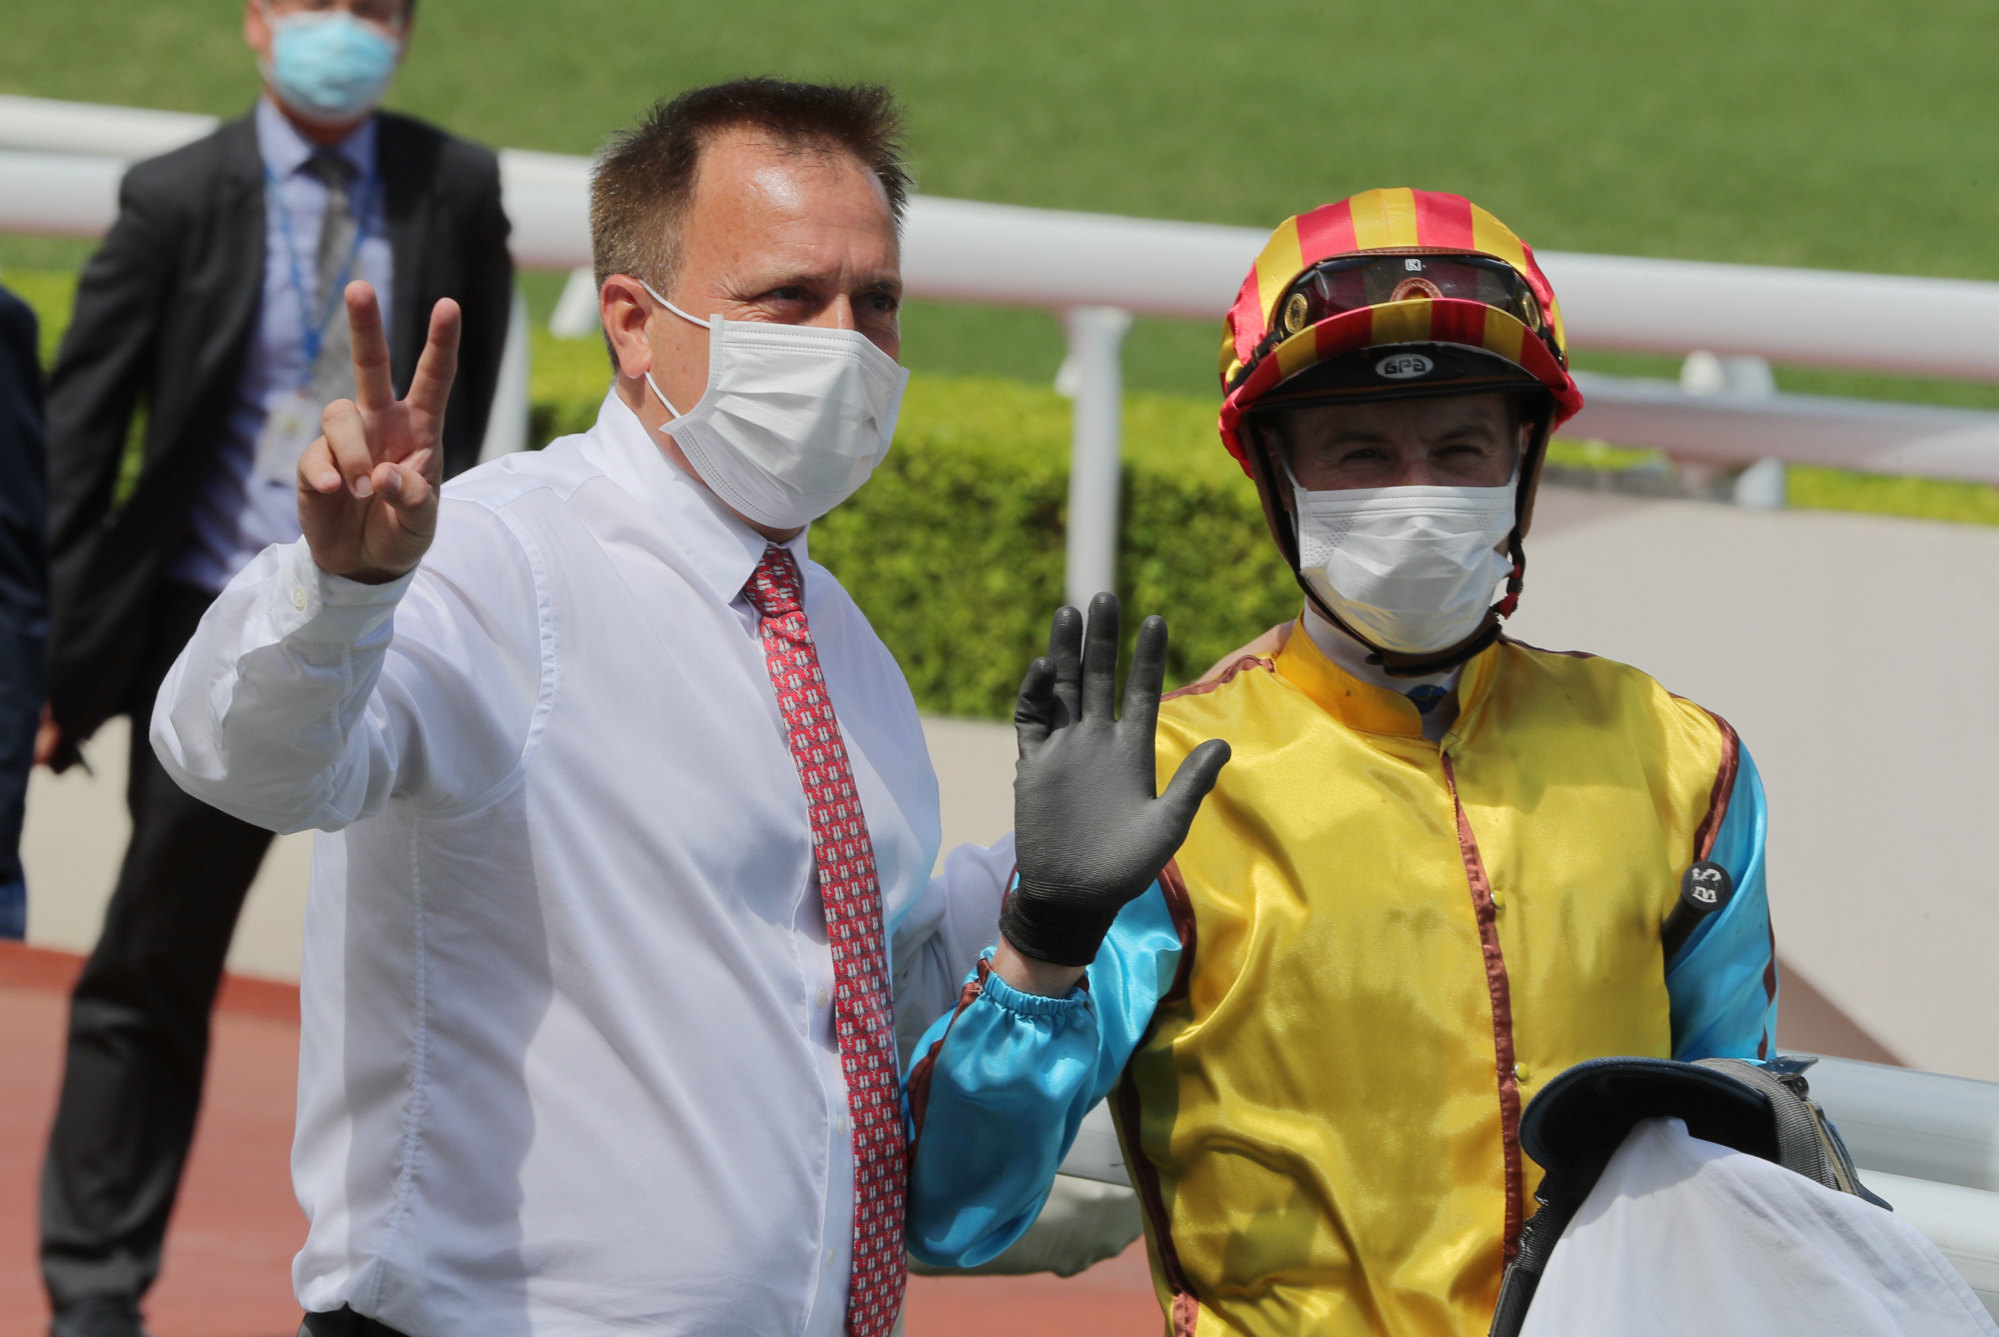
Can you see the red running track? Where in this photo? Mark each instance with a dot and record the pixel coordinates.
(227, 1271)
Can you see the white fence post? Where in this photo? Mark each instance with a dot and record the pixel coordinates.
(507, 424)
(1096, 338)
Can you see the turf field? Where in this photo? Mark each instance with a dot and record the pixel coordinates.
(1830, 133)
(1800, 132)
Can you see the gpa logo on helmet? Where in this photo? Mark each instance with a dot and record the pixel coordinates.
(1404, 366)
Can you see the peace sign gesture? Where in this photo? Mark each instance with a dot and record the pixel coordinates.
(367, 489)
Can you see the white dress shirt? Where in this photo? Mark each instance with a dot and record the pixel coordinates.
(567, 1062)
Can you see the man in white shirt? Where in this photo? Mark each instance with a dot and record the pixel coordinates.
(625, 796)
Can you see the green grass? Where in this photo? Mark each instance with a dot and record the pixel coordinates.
(1798, 132)
(1827, 133)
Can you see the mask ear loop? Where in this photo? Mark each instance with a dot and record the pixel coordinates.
(650, 292)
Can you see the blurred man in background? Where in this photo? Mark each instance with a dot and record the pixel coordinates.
(24, 587)
(209, 325)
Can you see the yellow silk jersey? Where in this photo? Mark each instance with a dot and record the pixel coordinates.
(1388, 943)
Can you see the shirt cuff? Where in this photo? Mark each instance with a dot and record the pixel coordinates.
(1032, 1004)
(317, 607)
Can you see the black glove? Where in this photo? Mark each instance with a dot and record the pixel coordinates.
(1090, 834)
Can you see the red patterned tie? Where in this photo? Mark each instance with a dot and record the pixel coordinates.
(852, 898)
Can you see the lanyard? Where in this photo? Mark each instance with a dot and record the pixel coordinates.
(315, 323)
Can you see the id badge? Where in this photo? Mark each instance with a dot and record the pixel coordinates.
(290, 425)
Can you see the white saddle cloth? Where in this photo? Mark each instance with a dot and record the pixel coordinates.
(1682, 1236)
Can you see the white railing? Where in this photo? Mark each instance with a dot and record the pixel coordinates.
(59, 165)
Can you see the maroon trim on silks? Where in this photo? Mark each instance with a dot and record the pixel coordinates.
(1206, 685)
(1124, 1108)
(1543, 650)
(1769, 988)
(919, 1076)
(1724, 788)
(1501, 994)
(1145, 1178)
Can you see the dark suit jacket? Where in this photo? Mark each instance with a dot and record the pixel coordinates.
(24, 570)
(164, 316)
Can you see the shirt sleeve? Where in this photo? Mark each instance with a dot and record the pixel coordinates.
(1002, 1083)
(1723, 982)
(939, 938)
(305, 700)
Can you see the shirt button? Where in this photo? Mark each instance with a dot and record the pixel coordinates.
(819, 999)
(840, 1125)
(298, 597)
(1523, 1072)
(1498, 900)
(831, 1254)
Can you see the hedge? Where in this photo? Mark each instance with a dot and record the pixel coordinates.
(954, 548)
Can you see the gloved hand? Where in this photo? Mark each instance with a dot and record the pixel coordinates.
(1089, 833)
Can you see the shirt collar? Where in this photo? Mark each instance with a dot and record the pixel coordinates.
(721, 551)
(1351, 655)
(285, 150)
(1368, 706)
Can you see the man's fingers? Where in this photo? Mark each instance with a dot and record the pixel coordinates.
(371, 348)
(1190, 784)
(317, 471)
(1065, 650)
(403, 486)
(1147, 676)
(349, 440)
(430, 388)
(1034, 709)
(1100, 658)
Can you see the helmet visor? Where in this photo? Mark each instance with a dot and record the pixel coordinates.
(1354, 282)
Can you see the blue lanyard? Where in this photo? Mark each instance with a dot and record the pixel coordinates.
(315, 324)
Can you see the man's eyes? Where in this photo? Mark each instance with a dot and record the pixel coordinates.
(1361, 455)
(880, 301)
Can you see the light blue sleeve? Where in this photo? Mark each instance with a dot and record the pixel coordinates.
(1723, 982)
(998, 1087)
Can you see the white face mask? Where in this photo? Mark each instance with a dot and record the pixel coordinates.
(794, 419)
(1412, 569)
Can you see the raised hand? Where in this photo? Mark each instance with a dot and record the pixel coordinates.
(367, 489)
(1090, 834)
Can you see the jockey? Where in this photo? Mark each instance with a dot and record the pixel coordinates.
(1433, 875)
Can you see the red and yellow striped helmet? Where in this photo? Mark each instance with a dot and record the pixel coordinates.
(1282, 325)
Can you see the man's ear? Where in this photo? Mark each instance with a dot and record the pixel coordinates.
(623, 307)
(256, 28)
(1526, 422)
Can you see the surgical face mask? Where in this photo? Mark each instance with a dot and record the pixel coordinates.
(1412, 569)
(328, 65)
(794, 419)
